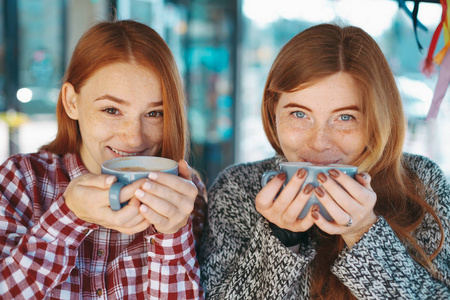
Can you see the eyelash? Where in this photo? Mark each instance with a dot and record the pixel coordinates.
(159, 113)
(350, 117)
(296, 114)
(109, 110)
(152, 114)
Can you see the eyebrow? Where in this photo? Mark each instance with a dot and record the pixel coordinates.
(122, 101)
(350, 107)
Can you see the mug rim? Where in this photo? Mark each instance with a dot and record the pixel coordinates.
(311, 165)
(106, 165)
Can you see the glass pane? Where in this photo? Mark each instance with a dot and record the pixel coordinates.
(41, 60)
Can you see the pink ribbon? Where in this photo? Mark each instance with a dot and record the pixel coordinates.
(441, 87)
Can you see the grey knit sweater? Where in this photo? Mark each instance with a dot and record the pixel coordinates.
(241, 259)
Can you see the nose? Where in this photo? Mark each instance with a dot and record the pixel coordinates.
(132, 132)
(320, 138)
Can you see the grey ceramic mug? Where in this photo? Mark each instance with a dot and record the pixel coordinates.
(290, 169)
(129, 169)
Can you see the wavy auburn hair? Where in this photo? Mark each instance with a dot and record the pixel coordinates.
(327, 49)
(129, 42)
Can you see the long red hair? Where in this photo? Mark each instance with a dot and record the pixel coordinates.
(327, 49)
(125, 41)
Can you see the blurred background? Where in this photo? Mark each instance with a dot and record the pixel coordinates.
(224, 50)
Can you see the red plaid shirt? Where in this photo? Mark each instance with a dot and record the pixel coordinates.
(47, 252)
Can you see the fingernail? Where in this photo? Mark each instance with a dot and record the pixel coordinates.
(333, 173)
(315, 215)
(315, 208)
(147, 186)
(301, 173)
(110, 179)
(139, 193)
(320, 192)
(308, 189)
(152, 175)
(282, 176)
(143, 208)
(363, 175)
(322, 177)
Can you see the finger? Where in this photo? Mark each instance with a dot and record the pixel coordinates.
(181, 201)
(296, 207)
(337, 192)
(174, 183)
(329, 227)
(175, 208)
(303, 224)
(339, 215)
(265, 197)
(102, 181)
(127, 192)
(290, 191)
(364, 179)
(152, 216)
(351, 186)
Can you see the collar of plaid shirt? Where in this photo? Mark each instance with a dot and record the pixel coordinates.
(47, 252)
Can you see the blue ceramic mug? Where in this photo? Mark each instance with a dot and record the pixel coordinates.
(129, 169)
(291, 168)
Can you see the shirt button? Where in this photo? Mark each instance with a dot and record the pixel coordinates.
(99, 292)
(86, 231)
(152, 241)
(100, 252)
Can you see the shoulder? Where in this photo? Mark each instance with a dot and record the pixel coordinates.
(426, 169)
(32, 169)
(37, 162)
(245, 174)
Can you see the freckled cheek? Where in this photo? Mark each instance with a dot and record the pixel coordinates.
(154, 133)
(350, 141)
(290, 135)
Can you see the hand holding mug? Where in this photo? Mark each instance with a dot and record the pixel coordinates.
(349, 201)
(166, 199)
(87, 197)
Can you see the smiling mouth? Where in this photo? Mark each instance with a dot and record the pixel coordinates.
(124, 153)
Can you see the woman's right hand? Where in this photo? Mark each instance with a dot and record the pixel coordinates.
(87, 197)
(286, 208)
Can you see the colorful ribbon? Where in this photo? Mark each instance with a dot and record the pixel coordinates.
(442, 58)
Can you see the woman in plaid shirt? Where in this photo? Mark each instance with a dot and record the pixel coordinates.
(59, 238)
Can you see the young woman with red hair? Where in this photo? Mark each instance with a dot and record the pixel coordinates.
(122, 96)
(330, 97)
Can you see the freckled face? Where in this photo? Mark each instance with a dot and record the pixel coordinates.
(323, 123)
(120, 113)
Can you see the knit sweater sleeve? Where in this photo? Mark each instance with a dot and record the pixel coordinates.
(240, 259)
(379, 266)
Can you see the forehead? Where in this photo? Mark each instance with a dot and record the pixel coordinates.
(339, 89)
(123, 76)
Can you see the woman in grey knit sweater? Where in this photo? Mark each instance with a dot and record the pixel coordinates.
(330, 97)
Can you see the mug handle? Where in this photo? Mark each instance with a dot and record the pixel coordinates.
(267, 176)
(114, 193)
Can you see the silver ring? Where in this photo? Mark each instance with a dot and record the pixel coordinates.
(350, 222)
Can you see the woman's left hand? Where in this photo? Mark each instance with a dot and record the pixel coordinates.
(349, 201)
(168, 200)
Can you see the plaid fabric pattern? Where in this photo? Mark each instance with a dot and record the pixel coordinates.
(47, 252)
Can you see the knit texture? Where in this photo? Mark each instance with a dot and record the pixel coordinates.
(241, 259)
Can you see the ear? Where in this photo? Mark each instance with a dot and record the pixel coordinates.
(70, 100)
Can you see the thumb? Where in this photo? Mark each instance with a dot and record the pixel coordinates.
(102, 181)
